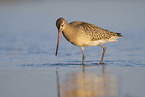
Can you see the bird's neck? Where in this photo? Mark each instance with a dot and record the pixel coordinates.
(68, 33)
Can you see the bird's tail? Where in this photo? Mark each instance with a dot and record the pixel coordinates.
(119, 35)
(115, 36)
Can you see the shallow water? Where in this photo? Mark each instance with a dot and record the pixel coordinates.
(28, 37)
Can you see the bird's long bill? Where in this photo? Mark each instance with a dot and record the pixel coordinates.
(59, 34)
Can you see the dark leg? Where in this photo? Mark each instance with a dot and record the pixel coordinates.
(104, 49)
(83, 55)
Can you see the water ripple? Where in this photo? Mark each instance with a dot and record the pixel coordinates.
(116, 63)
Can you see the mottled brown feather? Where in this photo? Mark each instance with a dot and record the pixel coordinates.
(94, 31)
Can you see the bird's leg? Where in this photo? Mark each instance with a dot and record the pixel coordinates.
(83, 55)
(104, 49)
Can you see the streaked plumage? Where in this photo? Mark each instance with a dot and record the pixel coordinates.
(85, 34)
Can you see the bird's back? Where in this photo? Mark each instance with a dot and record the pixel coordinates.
(95, 32)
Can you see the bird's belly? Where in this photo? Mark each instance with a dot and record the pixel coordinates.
(93, 43)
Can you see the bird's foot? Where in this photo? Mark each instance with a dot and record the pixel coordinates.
(102, 63)
(83, 63)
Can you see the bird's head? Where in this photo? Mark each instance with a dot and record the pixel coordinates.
(61, 25)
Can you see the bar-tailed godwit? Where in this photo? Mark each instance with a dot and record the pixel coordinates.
(84, 34)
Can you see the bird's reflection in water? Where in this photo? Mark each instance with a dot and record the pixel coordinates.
(84, 84)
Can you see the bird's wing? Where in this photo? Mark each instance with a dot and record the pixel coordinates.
(94, 31)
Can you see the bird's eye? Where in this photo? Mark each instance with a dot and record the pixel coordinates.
(62, 25)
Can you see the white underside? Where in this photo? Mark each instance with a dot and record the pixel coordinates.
(96, 43)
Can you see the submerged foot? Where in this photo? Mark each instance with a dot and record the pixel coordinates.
(102, 63)
(83, 63)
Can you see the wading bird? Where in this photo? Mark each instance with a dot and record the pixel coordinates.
(84, 34)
